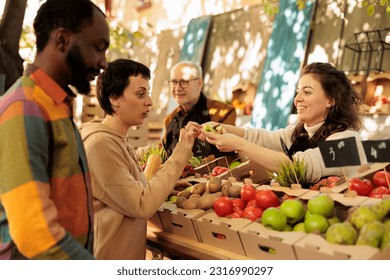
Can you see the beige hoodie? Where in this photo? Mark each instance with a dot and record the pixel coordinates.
(123, 199)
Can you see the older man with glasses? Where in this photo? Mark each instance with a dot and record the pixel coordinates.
(186, 84)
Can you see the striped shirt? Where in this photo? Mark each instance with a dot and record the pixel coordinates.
(45, 195)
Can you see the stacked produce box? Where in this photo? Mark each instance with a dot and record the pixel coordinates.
(240, 213)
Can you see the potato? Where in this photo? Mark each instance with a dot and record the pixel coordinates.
(214, 184)
(207, 200)
(181, 185)
(190, 203)
(180, 200)
(199, 188)
(225, 188)
(195, 195)
(234, 191)
(186, 194)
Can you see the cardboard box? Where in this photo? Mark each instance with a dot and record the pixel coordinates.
(280, 191)
(180, 221)
(262, 243)
(315, 247)
(208, 167)
(155, 221)
(222, 232)
(247, 170)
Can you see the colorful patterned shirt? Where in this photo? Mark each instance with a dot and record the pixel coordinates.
(45, 195)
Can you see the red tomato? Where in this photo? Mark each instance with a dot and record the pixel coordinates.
(238, 203)
(379, 178)
(223, 206)
(266, 199)
(234, 215)
(221, 170)
(286, 196)
(378, 192)
(248, 192)
(215, 169)
(253, 213)
(361, 186)
(251, 203)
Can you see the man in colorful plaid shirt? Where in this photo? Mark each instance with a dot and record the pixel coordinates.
(45, 195)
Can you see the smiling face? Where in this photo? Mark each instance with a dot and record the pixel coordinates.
(311, 101)
(133, 107)
(188, 96)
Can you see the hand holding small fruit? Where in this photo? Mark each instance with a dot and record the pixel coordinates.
(225, 142)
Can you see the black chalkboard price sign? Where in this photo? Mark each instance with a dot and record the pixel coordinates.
(377, 150)
(340, 152)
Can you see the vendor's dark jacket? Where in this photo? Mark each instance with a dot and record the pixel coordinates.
(204, 111)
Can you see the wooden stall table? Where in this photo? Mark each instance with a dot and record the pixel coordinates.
(188, 249)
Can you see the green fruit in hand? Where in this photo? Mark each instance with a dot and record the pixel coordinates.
(293, 209)
(274, 218)
(341, 233)
(209, 128)
(316, 223)
(362, 216)
(299, 227)
(321, 204)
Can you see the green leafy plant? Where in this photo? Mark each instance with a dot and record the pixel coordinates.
(285, 174)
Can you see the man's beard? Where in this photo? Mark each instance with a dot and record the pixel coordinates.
(79, 75)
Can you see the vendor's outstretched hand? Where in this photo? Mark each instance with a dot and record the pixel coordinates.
(225, 142)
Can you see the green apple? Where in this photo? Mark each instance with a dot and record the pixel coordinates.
(386, 235)
(361, 216)
(287, 228)
(293, 209)
(316, 223)
(341, 233)
(321, 204)
(381, 209)
(299, 227)
(274, 218)
(371, 234)
(334, 220)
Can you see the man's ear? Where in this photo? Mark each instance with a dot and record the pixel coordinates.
(62, 39)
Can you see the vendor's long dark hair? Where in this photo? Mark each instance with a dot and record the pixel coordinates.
(343, 115)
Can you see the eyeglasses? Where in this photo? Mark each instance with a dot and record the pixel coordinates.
(182, 83)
